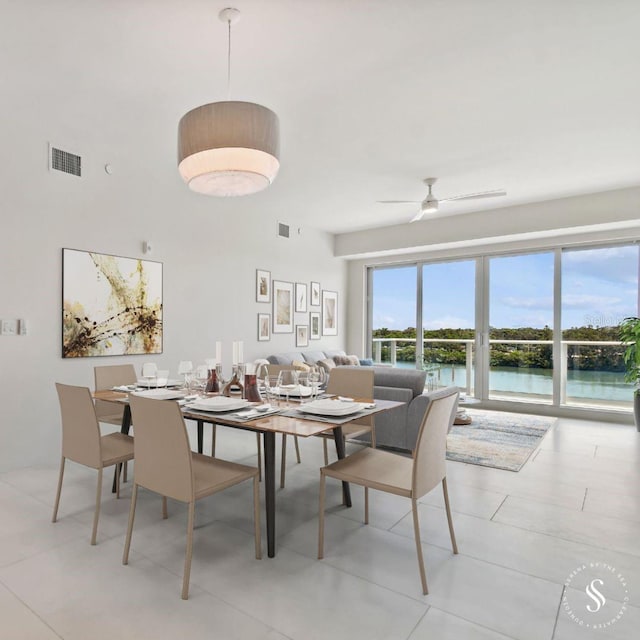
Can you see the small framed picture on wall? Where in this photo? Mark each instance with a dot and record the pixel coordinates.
(263, 285)
(315, 294)
(329, 313)
(314, 325)
(301, 297)
(302, 335)
(282, 307)
(264, 327)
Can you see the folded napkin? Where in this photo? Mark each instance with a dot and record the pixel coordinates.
(125, 387)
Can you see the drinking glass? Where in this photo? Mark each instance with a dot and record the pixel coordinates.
(313, 379)
(185, 367)
(150, 372)
(272, 388)
(201, 377)
(162, 377)
(289, 384)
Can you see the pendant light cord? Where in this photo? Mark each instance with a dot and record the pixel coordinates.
(229, 62)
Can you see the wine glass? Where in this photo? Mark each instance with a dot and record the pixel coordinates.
(272, 384)
(185, 367)
(149, 372)
(201, 377)
(314, 379)
(289, 383)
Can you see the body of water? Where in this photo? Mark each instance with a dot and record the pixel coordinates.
(581, 385)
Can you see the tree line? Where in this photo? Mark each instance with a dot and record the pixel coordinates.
(534, 356)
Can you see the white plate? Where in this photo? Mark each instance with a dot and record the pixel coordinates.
(162, 382)
(294, 391)
(331, 407)
(158, 394)
(218, 403)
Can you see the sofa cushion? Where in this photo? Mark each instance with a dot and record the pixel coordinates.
(327, 364)
(298, 365)
(285, 358)
(312, 357)
(334, 352)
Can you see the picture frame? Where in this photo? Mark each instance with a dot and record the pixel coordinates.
(263, 285)
(111, 305)
(301, 297)
(283, 301)
(264, 327)
(314, 325)
(302, 335)
(329, 313)
(314, 298)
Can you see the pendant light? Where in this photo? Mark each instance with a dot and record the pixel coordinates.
(228, 148)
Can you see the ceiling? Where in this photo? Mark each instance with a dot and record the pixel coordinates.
(538, 97)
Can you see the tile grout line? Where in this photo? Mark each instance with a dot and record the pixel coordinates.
(555, 624)
(418, 622)
(498, 509)
(584, 499)
(19, 599)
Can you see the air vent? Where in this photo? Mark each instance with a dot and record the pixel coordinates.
(283, 230)
(64, 161)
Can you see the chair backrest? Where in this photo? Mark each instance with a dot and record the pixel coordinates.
(161, 448)
(351, 382)
(429, 457)
(107, 377)
(80, 429)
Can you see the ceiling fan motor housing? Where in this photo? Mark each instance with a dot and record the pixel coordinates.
(429, 204)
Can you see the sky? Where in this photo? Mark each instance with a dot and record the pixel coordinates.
(599, 288)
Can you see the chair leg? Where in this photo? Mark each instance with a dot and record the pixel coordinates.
(118, 467)
(325, 448)
(165, 511)
(283, 460)
(373, 437)
(366, 505)
(321, 518)
(259, 443)
(63, 460)
(124, 473)
(132, 515)
(96, 515)
(295, 442)
(416, 533)
(213, 440)
(256, 517)
(189, 551)
(454, 544)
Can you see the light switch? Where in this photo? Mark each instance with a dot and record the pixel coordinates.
(9, 327)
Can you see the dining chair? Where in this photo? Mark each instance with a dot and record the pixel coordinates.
(393, 473)
(105, 378)
(82, 443)
(166, 465)
(356, 383)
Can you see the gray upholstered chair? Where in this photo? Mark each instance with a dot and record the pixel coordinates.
(408, 477)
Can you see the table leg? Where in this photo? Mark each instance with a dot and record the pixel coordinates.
(126, 425)
(200, 435)
(340, 450)
(270, 490)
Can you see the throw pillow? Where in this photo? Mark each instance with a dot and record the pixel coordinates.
(341, 360)
(327, 364)
(300, 366)
(366, 362)
(353, 360)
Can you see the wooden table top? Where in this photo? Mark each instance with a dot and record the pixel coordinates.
(277, 423)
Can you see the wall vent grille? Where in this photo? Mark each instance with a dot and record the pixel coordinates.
(283, 230)
(66, 162)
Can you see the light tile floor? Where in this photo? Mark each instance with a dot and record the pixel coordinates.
(576, 501)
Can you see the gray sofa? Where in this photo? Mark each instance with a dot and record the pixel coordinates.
(397, 428)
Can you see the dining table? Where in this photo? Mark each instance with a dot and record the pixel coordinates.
(288, 420)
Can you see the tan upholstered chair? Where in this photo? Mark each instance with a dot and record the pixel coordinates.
(82, 442)
(408, 477)
(165, 464)
(106, 378)
(352, 383)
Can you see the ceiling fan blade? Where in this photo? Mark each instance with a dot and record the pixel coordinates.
(398, 201)
(417, 217)
(476, 196)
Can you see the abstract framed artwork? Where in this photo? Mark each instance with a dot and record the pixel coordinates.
(301, 297)
(110, 305)
(264, 327)
(315, 294)
(282, 306)
(329, 313)
(314, 325)
(302, 335)
(263, 285)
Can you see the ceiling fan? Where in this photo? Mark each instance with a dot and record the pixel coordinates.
(430, 203)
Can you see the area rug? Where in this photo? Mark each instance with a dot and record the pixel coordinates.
(497, 439)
